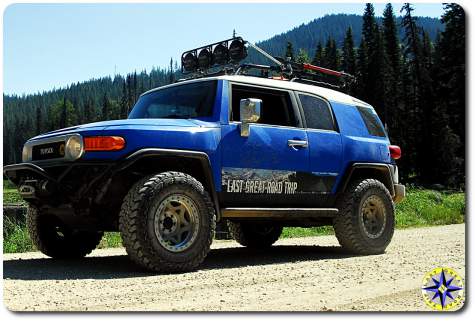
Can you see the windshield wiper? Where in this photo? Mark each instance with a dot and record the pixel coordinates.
(176, 116)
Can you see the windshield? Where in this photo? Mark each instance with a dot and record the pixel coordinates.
(193, 100)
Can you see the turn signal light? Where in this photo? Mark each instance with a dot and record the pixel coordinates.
(395, 151)
(104, 143)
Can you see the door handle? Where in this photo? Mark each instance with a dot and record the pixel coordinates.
(293, 143)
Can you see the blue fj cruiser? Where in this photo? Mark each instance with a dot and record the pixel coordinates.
(256, 152)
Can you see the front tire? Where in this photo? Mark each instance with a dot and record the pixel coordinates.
(167, 222)
(365, 223)
(56, 240)
(254, 235)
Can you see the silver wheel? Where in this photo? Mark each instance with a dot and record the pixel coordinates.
(176, 222)
(373, 216)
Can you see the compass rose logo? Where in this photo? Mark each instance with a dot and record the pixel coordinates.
(442, 289)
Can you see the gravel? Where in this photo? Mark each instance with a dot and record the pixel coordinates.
(300, 274)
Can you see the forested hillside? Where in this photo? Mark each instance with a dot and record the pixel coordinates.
(306, 36)
(412, 70)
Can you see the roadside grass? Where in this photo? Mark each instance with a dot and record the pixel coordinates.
(422, 207)
(15, 237)
(10, 194)
(289, 232)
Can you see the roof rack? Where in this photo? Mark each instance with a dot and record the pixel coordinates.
(224, 58)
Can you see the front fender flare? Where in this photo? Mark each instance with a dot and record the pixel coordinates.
(157, 152)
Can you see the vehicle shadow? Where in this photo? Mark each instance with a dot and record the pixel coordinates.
(119, 266)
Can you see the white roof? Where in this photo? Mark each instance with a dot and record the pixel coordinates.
(326, 93)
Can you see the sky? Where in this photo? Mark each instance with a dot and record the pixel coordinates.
(48, 46)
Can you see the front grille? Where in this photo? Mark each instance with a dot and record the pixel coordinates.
(48, 151)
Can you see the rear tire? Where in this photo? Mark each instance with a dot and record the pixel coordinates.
(167, 222)
(254, 235)
(56, 240)
(365, 223)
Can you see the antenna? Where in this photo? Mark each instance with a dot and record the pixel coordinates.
(234, 33)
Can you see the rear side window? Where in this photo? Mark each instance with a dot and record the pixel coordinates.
(317, 112)
(371, 121)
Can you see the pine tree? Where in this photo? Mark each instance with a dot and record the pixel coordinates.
(370, 60)
(318, 58)
(332, 58)
(39, 121)
(391, 44)
(372, 69)
(135, 93)
(448, 73)
(302, 56)
(349, 55)
(395, 108)
(362, 71)
(171, 73)
(377, 76)
(88, 111)
(412, 49)
(452, 60)
(124, 109)
(64, 114)
(289, 51)
(106, 105)
(369, 26)
(421, 95)
(130, 97)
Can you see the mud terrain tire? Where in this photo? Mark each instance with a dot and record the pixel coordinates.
(145, 218)
(54, 239)
(254, 235)
(365, 223)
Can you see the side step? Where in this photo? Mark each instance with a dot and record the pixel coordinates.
(289, 213)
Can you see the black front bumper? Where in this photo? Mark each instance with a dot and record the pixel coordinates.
(56, 182)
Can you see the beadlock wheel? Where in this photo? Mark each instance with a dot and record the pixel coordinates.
(373, 216)
(176, 223)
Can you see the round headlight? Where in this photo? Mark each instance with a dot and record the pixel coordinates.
(74, 147)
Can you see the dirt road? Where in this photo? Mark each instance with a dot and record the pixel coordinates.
(311, 274)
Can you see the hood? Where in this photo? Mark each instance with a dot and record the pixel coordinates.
(127, 123)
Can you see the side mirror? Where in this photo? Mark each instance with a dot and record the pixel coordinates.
(250, 111)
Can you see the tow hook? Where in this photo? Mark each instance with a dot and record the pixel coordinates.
(27, 191)
(34, 189)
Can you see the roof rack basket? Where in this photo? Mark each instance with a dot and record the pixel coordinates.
(224, 57)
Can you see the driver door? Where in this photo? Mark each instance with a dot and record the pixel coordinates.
(264, 168)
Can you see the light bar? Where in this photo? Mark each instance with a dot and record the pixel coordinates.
(225, 52)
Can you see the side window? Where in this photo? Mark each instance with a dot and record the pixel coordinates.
(317, 112)
(276, 107)
(372, 122)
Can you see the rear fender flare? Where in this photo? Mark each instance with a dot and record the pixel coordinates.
(379, 171)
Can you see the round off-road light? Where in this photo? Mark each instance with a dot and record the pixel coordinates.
(237, 50)
(204, 59)
(221, 54)
(74, 147)
(189, 62)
